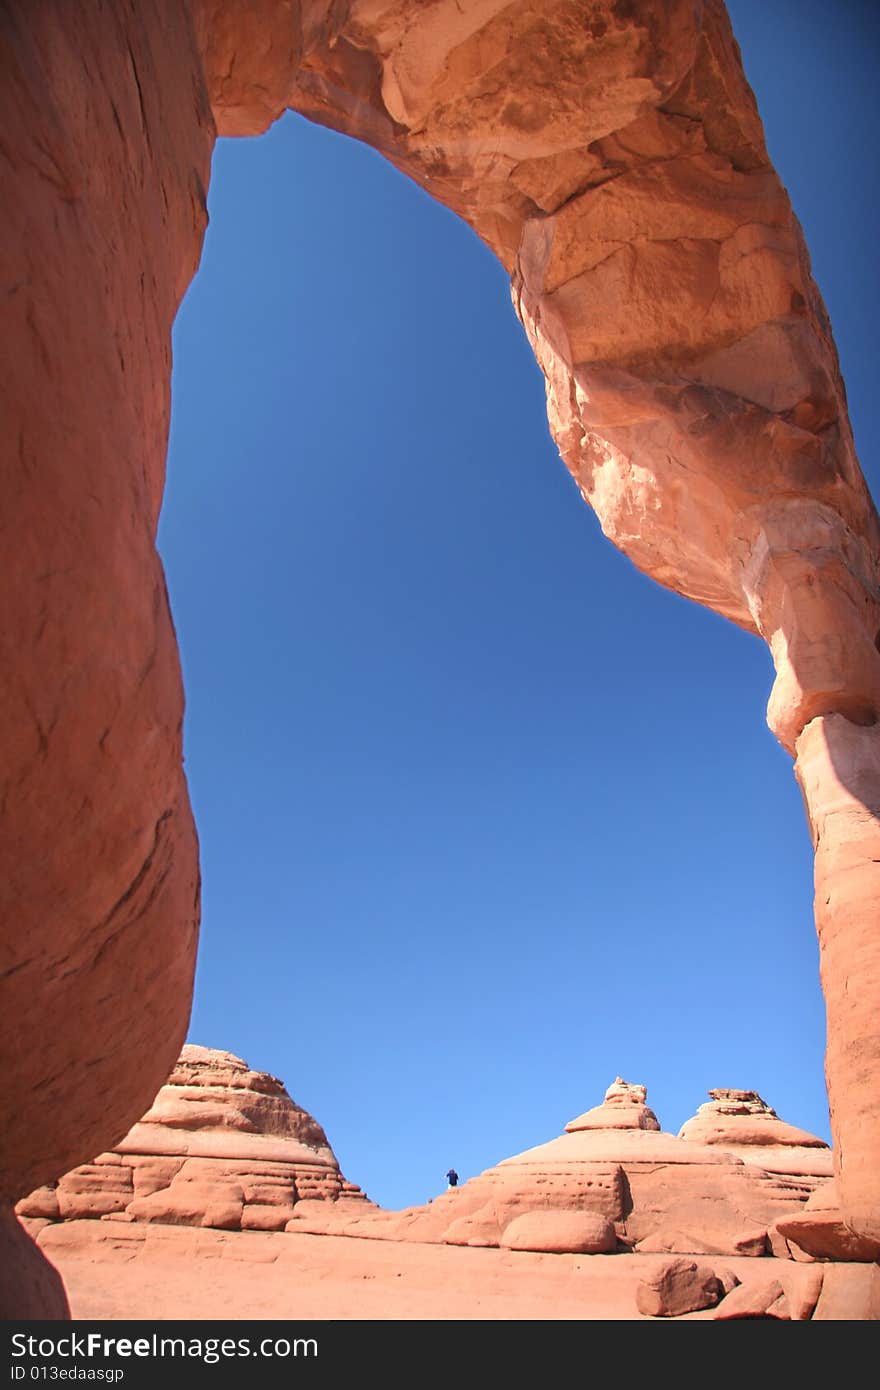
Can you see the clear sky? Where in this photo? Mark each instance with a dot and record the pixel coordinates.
(487, 817)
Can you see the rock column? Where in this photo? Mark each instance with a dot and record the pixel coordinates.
(107, 139)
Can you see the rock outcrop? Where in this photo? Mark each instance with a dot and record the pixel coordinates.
(838, 768)
(624, 1107)
(225, 1166)
(612, 156)
(659, 1194)
(820, 1231)
(109, 134)
(774, 1297)
(764, 1300)
(154, 1272)
(743, 1124)
(221, 1146)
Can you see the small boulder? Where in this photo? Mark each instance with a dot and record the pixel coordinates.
(560, 1233)
(40, 1204)
(766, 1299)
(677, 1287)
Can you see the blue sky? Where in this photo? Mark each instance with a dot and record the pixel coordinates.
(487, 817)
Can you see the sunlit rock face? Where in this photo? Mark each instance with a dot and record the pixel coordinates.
(820, 1231)
(613, 1172)
(224, 1149)
(611, 154)
(838, 768)
(221, 1146)
(744, 1124)
(624, 1107)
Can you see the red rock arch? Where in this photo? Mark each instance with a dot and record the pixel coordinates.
(610, 153)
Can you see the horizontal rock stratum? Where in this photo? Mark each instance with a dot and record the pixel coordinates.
(224, 1149)
(225, 1146)
(660, 1194)
(744, 1124)
(222, 1145)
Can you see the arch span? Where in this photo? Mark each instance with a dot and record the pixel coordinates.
(611, 155)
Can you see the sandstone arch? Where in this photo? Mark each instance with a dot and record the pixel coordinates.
(611, 155)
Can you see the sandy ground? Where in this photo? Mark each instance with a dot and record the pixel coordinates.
(117, 1271)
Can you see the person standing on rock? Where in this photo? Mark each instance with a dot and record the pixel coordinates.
(452, 1178)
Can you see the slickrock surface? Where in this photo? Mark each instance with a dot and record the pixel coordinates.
(167, 1272)
(225, 1172)
(221, 1146)
(850, 1293)
(611, 153)
(658, 1192)
(225, 1146)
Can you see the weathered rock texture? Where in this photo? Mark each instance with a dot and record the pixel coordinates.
(560, 1233)
(610, 152)
(679, 1286)
(225, 1146)
(30, 1286)
(838, 767)
(221, 1146)
(764, 1300)
(612, 156)
(743, 1124)
(107, 138)
(114, 1270)
(850, 1293)
(655, 1193)
(225, 1165)
(819, 1230)
(624, 1107)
